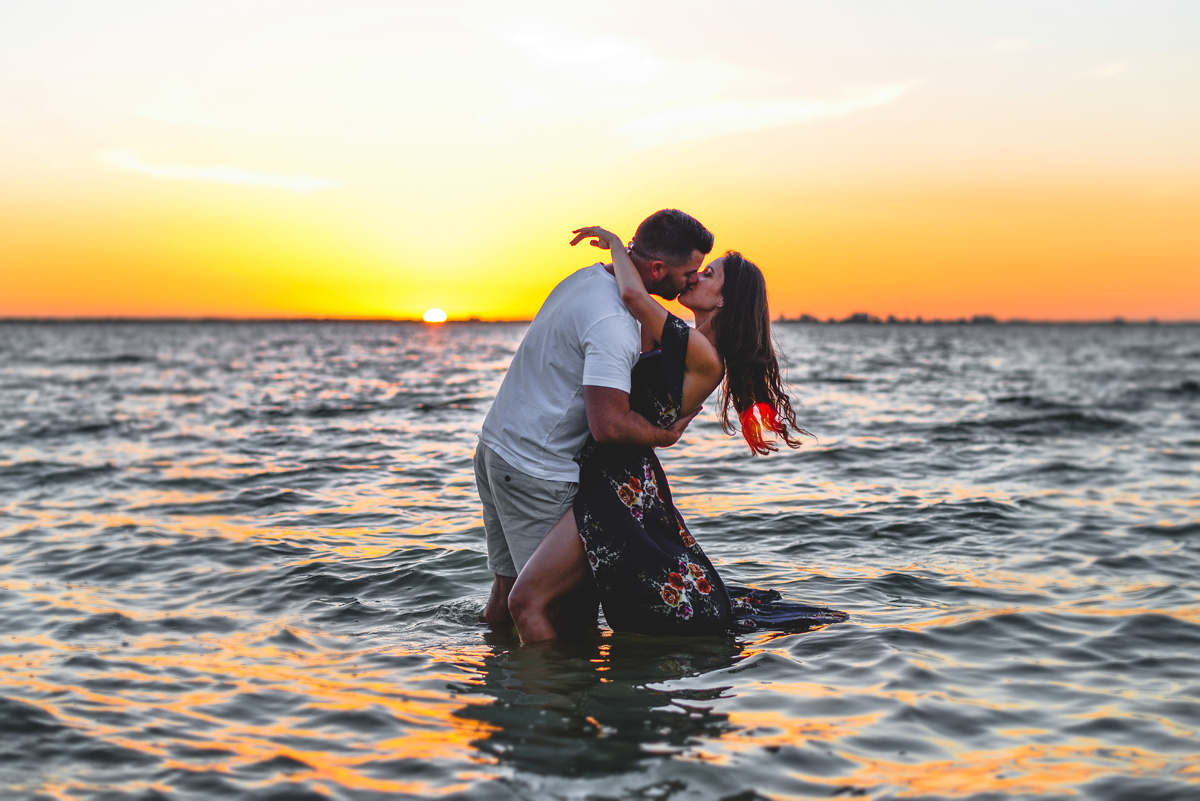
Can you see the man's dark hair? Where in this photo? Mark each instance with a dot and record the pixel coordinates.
(670, 236)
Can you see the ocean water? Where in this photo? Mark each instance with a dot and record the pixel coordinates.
(245, 561)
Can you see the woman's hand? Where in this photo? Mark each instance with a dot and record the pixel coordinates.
(605, 240)
(645, 309)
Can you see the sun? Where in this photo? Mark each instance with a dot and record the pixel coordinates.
(435, 316)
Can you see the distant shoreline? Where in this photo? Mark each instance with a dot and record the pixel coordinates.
(241, 320)
(854, 319)
(978, 319)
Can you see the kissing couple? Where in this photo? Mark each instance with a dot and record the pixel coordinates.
(576, 506)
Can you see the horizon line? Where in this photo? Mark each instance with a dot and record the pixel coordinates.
(858, 318)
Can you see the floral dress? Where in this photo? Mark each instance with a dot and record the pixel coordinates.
(652, 576)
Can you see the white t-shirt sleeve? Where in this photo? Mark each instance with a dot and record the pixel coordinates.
(610, 349)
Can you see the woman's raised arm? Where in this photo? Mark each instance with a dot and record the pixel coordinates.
(641, 304)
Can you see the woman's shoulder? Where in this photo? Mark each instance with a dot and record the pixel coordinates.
(677, 324)
(702, 356)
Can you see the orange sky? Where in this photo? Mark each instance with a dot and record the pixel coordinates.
(378, 159)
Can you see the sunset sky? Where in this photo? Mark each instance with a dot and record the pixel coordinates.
(375, 159)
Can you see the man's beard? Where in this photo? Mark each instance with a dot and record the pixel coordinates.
(664, 289)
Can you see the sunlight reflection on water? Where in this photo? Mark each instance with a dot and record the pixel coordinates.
(244, 559)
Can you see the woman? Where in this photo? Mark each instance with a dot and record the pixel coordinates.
(624, 529)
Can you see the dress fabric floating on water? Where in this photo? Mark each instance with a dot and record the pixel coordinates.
(652, 576)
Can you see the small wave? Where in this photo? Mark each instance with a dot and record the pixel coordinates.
(1033, 402)
(355, 614)
(190, 484)
(248, 501)
(935, 590)
(36, 434)
(37, 473)
(19, 718)
(287, 639)
(1064, 423)
(111, 625)
(1187, 389)
(88, 361)
(467, 403)
(1061, 473)
(465, 611)
(1169, 530)
(1060, 424)
(32, 736)
(340, 409)
(835, 380)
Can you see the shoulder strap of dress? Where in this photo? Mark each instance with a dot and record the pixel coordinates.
(674, 352)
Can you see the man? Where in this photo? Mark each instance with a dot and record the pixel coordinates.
(570, 375)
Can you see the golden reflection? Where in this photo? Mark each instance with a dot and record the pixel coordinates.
(1031, 769)
(458, 708)
(348, 543)
(481, 723)
(244, 664)
(847, 498)
(754, 731)
(555, 711)
(1022, 769)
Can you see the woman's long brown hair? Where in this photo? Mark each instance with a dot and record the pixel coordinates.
(753, 385)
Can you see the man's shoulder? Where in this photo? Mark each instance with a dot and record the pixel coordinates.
(593, 276)
(588, 294)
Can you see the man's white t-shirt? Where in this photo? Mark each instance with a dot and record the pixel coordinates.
(582, 335)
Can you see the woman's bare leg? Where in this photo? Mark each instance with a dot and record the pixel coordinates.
(558, 566)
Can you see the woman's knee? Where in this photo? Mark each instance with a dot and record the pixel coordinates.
(524, 600)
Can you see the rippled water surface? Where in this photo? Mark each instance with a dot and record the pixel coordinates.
(245, 561)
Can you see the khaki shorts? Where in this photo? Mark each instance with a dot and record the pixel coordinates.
(518, 510)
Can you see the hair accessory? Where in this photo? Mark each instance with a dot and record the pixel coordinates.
(754, 420)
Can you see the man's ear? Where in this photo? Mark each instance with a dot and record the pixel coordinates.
(657, 269)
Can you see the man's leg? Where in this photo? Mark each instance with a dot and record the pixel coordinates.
(496, 612)
(524, 510)
(500, 562)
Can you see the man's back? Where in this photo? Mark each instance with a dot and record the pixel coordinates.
(582, 335)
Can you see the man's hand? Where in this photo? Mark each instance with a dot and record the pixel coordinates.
(677, 428)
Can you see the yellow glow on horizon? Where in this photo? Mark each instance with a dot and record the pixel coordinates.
(953, 170)
(435, 316)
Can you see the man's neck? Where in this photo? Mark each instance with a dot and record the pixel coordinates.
(646, 283)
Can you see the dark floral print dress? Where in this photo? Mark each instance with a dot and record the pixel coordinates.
(652, 576)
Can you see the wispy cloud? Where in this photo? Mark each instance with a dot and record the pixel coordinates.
(181, 107)
(716, 119)
(1107, 70)
(580, 53)
(1010, 46)
(123, 160)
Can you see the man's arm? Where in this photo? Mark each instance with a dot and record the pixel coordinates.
(612, 421)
